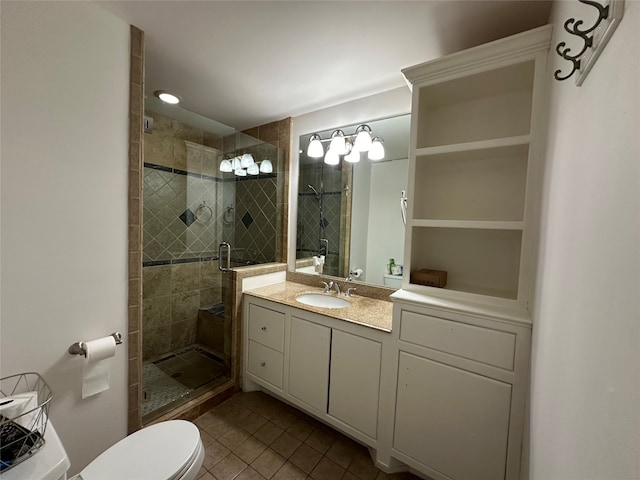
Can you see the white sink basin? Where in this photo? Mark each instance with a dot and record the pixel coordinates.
(324, 301)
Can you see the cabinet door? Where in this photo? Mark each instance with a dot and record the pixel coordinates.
(355, 381)
(309, 362)
(451, 420)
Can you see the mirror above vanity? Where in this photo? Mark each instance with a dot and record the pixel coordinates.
(349, 218)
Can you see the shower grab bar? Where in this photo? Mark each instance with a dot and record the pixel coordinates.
(228, 247)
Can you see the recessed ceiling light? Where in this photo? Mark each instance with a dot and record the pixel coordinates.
(167, 97)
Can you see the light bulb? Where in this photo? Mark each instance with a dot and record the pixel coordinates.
(266, 166)
(253, 169)
(353, 156)
(246, 159)
(376, 152)
(167, 97)
(225, 166)
(331, 158)
(338, 144)
(315, 149)
(363, 138)
(235, 163)
(240, 172)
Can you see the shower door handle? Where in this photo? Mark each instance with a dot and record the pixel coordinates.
(227, 246)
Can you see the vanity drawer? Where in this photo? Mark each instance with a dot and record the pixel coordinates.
(266, 327)
(484, 345)
(265, 363)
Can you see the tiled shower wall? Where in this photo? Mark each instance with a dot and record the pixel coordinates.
(335, 216)
(189, 209)
(172, 296)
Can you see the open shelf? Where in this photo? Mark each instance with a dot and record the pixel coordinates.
(485, 262)
(492, 104)
(487, 184)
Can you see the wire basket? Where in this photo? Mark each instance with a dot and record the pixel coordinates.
(24, 410)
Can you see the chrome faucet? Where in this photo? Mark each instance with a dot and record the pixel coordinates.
(327, 286)
(348, 292)
(337, 288)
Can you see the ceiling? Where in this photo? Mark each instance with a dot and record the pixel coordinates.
(247, 63)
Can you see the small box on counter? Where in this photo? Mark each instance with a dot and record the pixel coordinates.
(430, 278)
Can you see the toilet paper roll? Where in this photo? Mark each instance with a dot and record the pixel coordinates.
(96, 371)
(357, 273)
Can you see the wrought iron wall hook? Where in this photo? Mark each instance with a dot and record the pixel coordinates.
(572, 26)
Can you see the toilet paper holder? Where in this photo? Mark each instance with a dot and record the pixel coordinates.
(78, 348)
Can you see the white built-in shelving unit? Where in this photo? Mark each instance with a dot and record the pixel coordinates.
(474, 168)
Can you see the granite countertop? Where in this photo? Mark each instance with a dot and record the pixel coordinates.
(366, 311)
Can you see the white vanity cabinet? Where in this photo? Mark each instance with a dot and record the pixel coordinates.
(355, 381)
(309, 349)
(265, 345)
(461, 389)
(329, 368)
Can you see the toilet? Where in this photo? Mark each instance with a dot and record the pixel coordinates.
(393, 281)
(170, 450)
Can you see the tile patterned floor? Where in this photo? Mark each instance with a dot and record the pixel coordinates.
(253, 436)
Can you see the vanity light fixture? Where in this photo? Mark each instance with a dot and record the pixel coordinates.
(363, 138)
(226, 166)
(315, 149)
(253, 169)
(246, 160)
(331, 157)
(347, 146)
(244, 165)
(353, 156)
(167, 97)
(266, 166)
(338, 144)
(376, 152)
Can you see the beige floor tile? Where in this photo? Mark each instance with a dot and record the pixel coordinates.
(268, 463)
(327, 470)
(301, 429)
(214, 453)
(268, 433)
(228, 468)
(233, 438)
(206, 476)
(362, 467)
(396, 476)
(289, 471)
(252, 422)
(305, 458)
(321, 439)
(349, 476)
(241, 444)
(249, 450)
(286, 444)
(217, 426)
(284, 418)
(342, 452)
(249, 474)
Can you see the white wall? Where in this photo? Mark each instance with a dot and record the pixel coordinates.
(585, 398)
(360, 195)
(387, 104)
(65, 84)
(388, 179)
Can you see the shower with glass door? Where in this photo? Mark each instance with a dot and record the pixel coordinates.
(198, 224)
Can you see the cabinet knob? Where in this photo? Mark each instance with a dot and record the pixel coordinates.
(264, 329)
(262, 364)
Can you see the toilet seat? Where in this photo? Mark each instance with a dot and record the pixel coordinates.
(164, 451)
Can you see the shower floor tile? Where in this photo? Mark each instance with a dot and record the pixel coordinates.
(174, 377)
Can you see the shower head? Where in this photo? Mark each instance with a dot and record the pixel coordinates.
(314, 191)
